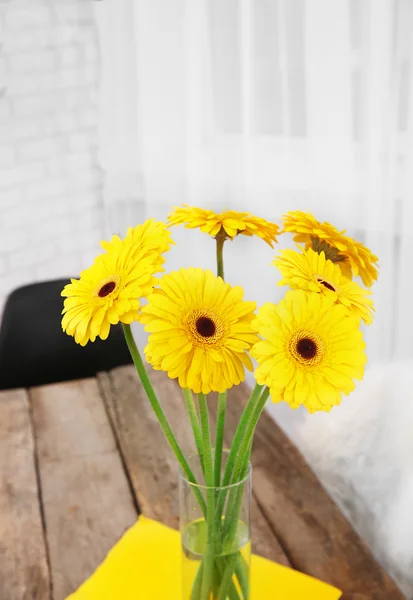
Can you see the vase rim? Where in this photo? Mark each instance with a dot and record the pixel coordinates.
(213, 487)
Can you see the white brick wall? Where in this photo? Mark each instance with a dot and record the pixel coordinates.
(32, 61)
(50, 183)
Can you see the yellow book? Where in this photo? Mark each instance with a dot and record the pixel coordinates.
(146, 565)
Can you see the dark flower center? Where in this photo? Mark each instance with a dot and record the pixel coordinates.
(205, 326)
(326, 284)
(106, 289)
(306, 348)
(330, 252)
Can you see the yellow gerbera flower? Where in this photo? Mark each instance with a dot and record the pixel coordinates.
(353, 257)
(200, 330)
(311, 271)
(228, 223)
(110, 290)
(153, 236)
(311, 350)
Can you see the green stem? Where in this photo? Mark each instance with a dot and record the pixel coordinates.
(206, 440)
(236, 494)
(242, 573)
(249, 434)
(160, 415)
(220, 257)
(231, 522)
(219, 566)
(233, 593)
(219, 438)
(196, 586)
(241, 470)
(207, 574)
(239, 435)
(193, 417)
(227, 577)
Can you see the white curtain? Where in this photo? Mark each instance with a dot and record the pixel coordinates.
(267, 106)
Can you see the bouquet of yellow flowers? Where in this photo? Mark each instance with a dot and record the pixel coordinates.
(308, 350)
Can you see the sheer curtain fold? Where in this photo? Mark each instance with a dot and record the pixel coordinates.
(119, 135)
(267, 105)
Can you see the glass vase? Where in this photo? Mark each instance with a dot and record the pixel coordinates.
(215, 536)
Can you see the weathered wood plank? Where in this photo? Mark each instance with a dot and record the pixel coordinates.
(86, 496)
(357, 596)
(151, 464)
(24, 573)
(316, 536)
(290, 505)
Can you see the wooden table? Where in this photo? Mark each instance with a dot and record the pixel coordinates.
(80, 460)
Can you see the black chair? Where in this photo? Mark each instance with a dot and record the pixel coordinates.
(35, 351)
